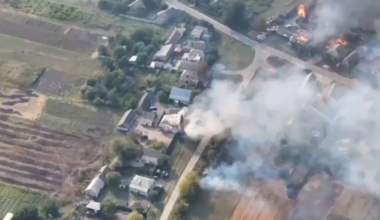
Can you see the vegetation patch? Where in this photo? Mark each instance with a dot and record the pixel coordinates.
(18, 74)
(234, 54)
(13, 199)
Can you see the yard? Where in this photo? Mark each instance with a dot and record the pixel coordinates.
(12, 199)
(234, 54)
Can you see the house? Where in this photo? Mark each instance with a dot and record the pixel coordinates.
(97, 184)
(127, 120)
(179, 95)
(8, 216)
(147, 118)
(188, 65)
(199, 45)
(151, 156)
(200, 33)
(165, 16)
(133, 59)
(196, 55)
(164, 53)
(190, 76)
(172, 121)
(174, 37)
(94, 206)
(141, 185)
(146, 101)
(156, 65)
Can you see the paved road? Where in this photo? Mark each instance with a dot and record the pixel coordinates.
(189, 167)
(263, 51)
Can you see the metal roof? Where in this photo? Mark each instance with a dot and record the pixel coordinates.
(142, 184)
(179, 94)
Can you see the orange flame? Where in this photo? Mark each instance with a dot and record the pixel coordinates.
(302, 39)
(302, 11)
(340, 41)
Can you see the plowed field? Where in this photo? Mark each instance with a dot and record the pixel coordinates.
(40, 158)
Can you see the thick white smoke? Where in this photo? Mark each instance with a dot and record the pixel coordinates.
(337, 16)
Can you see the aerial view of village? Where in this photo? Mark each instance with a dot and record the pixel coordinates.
(189, 109)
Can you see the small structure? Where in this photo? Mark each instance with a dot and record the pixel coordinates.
(133, 59)
(196, 55)
(141, 185)
(166, 15)
(8, 216)
(164, 53)
(174, 37)
(146, 101)
(94, 206)
(151, 157)
(188, 65)
(147, 118)
(199, 45)
(190, 76)
(97, 184)
(179, 95)
(200, 33)
(156, 65)
(127, 120)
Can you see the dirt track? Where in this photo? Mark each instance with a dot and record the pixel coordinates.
(40, 158)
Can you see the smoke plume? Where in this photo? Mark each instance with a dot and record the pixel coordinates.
(338, 16)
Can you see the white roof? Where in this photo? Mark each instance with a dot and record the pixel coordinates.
(142, 184)
(94, 205)
(8, 216)
(133, 58)
(96, 185)
(196, 55)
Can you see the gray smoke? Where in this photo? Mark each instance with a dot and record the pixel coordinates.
(337, 16)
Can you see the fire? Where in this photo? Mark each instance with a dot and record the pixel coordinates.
(302, 39)
(302, 11)
(340, 41)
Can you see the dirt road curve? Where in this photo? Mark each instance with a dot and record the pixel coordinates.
(190, 166)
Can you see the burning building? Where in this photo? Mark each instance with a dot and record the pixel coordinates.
(304, 11)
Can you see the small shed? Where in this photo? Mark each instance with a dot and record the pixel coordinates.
(179, 95)
(98, 183)
(94, 206)
(133, 59)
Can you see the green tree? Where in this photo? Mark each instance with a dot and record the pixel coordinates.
(109, 208)
(120, 51)
(180, 210)
(98, 102)
(189, 188)
(158, 145)
(91, 82)
(150, 4)
(51, 209)
(141, 58)
(135, 216)
(163, 96)
(234, 15)
(143, 34)
(131, 103)
(125, 148)
(113, 179)
(151, 215)
(103, 50)
(26, 213)
(164, 162)
(90, 94)
(113, 98)
(211, 155)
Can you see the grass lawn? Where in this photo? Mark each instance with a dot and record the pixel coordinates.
(234, 54)
(216, 205)
(12, 199)
(120, 196)
(258, 6)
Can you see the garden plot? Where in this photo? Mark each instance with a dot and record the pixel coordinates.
(25, 104)
(49, 34)
(18, 74)
(57, 83)
(86, 120)
(36, 157)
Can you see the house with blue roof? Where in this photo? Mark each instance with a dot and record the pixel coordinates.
(180, 96)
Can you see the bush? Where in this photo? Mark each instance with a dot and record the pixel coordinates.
(158, 145)
(109, 208)
(113, 179)
(189, 188)
(180, 210)
(125, 148)
(135, 216)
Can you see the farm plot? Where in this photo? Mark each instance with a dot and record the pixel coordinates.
(49, 34)
(57, 83)
(66, 116)
(36, 157)
(19, 74)
(25, 104)
(13, 199)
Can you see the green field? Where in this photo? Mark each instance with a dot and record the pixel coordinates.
(64, 115)
(18, 74)
(234, 54)
(12, 199)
